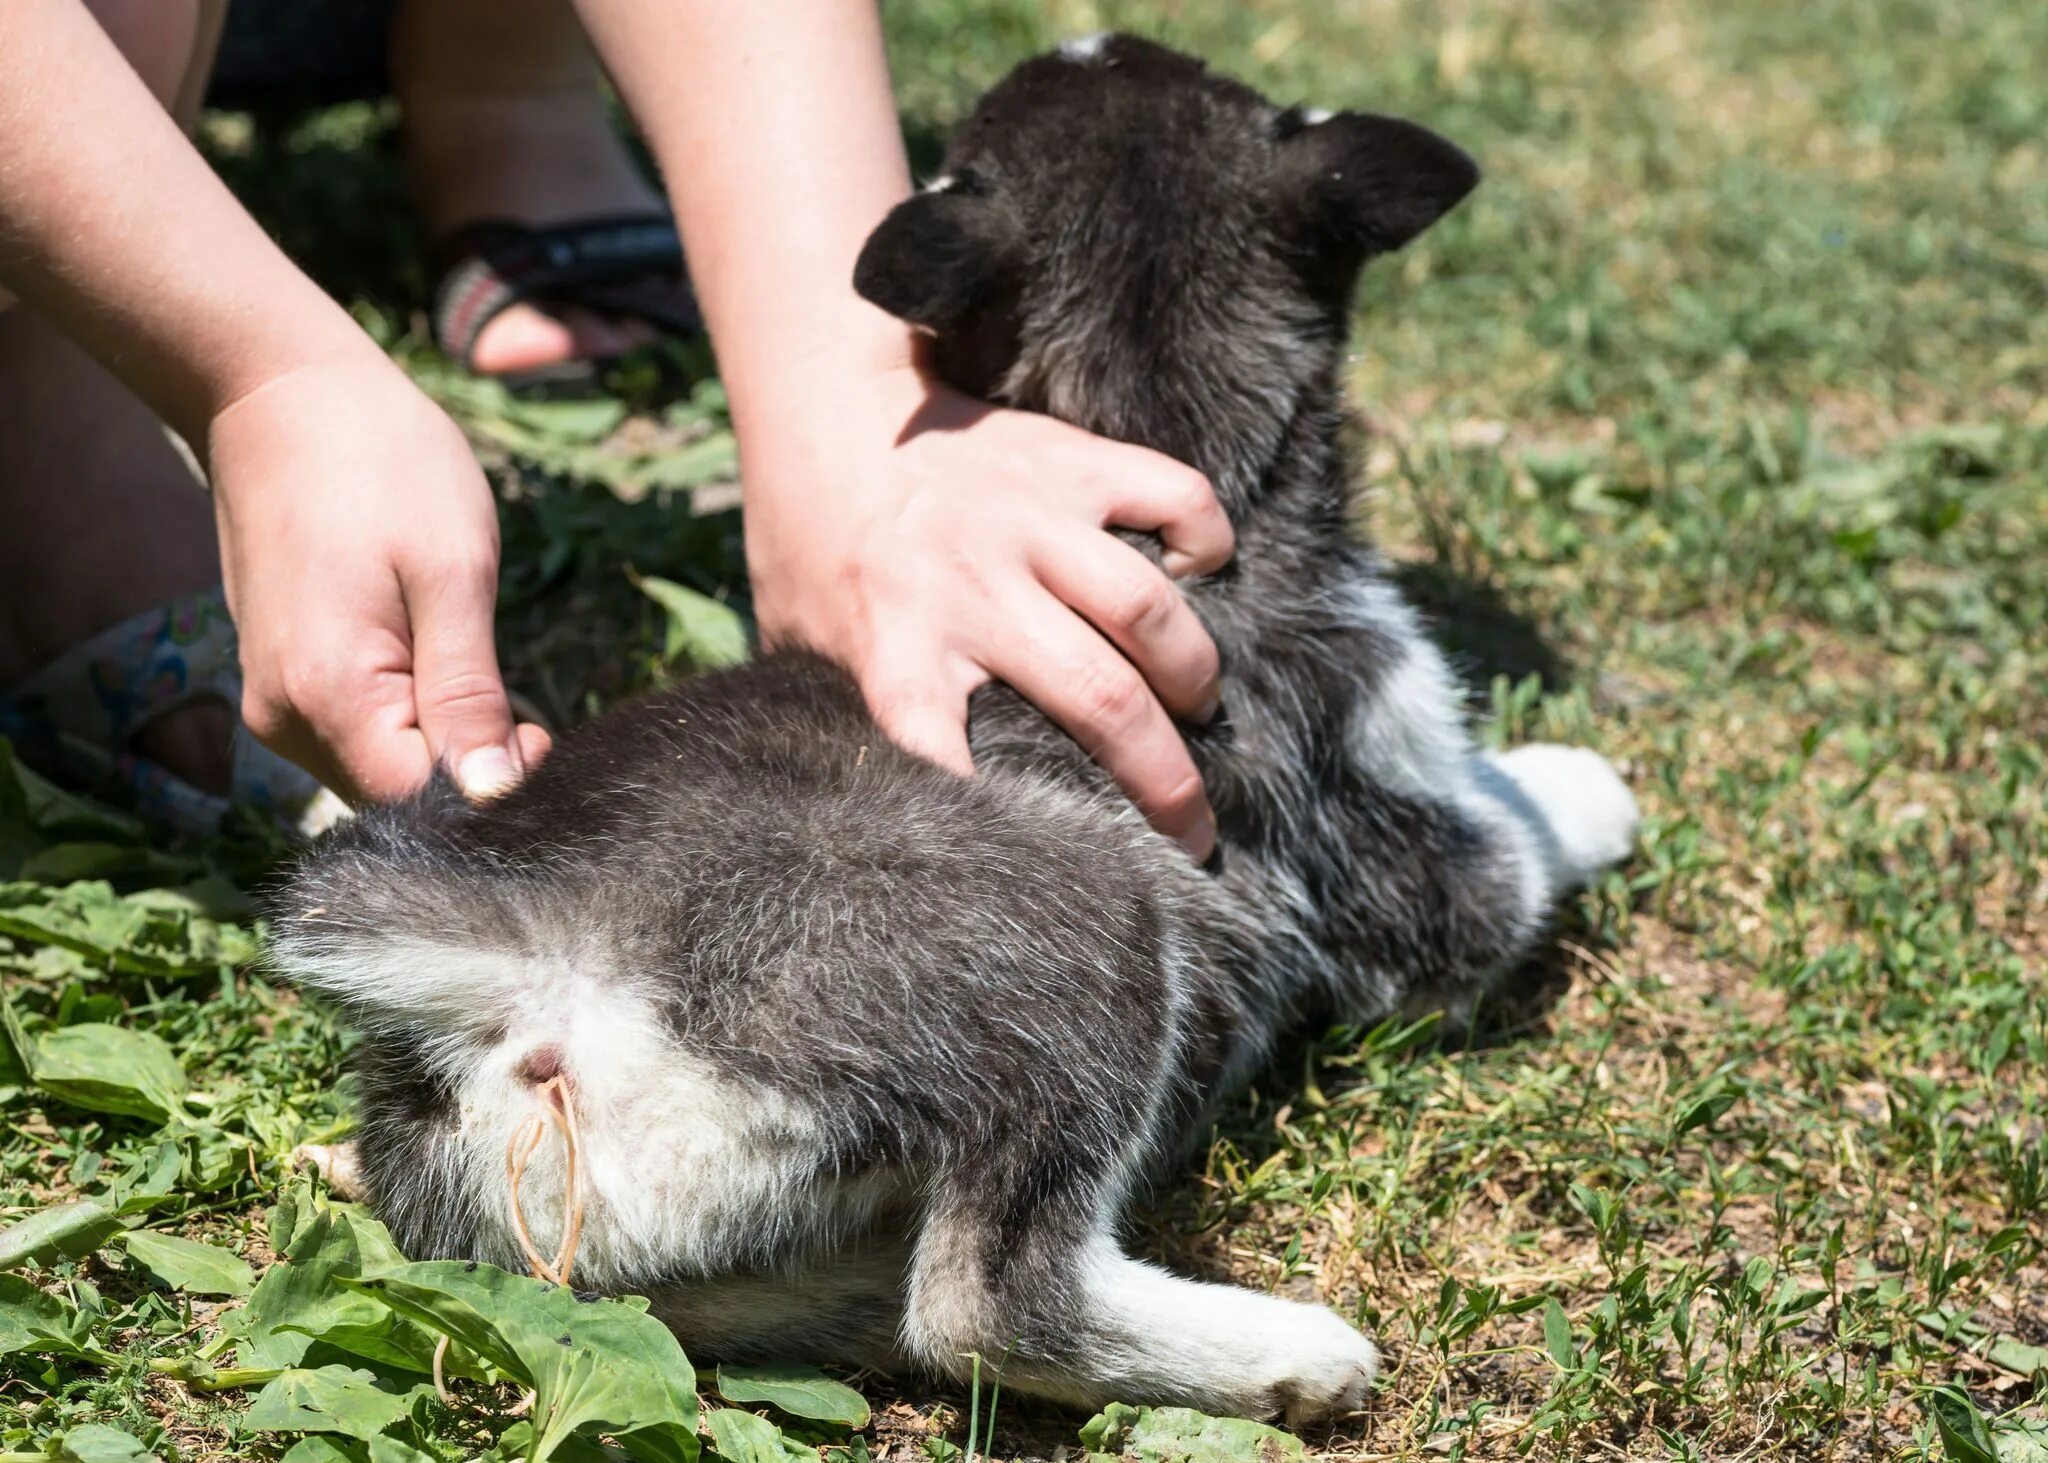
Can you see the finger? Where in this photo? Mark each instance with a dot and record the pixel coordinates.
(534, 743)
(297, 744)
(1125, 596)
(1071, 673)
(923, 717)
(1169, 498)
(378, 762)
(457, 692)
(352, 730)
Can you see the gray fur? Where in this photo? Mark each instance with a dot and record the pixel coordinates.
(869, 1057)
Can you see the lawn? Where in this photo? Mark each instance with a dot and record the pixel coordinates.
(1713, 432)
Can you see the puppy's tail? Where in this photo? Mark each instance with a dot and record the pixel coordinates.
(403, 919)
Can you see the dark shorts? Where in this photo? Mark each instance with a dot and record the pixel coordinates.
(301, 52)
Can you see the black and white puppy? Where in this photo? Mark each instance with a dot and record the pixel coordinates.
(867, 1057)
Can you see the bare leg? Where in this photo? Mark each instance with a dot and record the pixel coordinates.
(104, 518)
(505, 118)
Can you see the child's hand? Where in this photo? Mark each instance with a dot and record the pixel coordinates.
(360, 548)
(930, 543)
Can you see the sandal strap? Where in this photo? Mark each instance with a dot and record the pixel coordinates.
(76, 717)
(489, 266)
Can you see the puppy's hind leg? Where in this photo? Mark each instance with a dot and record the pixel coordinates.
(1029, 1276)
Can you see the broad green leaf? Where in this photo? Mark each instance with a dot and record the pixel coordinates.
(1703, 1112)
(300, 1300)
(383, 1448)
(34, 802)
(110, 1069)
(1557, 1335)
(154, 933)
(33, 1320)
(743, 1437)
(2016, 1355)
(713, 458)
(1182, 1435)
(147, 1178)
(709, 633)
(799, 1390)
(66, 863)
(598, 1365)
(63, 1231)
(330, 1399)
(2023, 1440)
(325, 1448)
(517, 1442)
(386, 1449)
(2002, 1350)
(95, 1443)
(185, 1264)
(1964, 1432)
(17, 1049)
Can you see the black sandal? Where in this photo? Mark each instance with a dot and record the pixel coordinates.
(630, 265)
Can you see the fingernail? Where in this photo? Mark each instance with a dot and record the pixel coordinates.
(1206, 712)
(1200, 840)
(486, 772)
(1176, 564)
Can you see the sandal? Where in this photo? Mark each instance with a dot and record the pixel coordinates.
(75, 720)
(630, 265)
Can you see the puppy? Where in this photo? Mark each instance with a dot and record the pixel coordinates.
(867, 1058)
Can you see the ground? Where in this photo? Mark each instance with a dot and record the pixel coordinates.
(1712, 430)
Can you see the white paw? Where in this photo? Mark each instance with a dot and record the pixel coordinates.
(1323, 1369)
(1589, 811)
(338, 1164)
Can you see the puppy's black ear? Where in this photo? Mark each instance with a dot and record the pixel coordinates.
(1360, 184)
(936, 255)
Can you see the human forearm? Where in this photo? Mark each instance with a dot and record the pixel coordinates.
(777, 129)
(926, 541)
(113, 226)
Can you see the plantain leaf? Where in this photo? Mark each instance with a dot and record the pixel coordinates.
(707, 632)
(799, 1390)
(1182, 1435)
(596, 1365)
(1557, 1335)
(185, 1264)
(743, 1437)
(1964, 1433)
(96, 1443)
(62, 1231)
(33, 1320)
(301, 1301)
(329, 1399)
(110, 1069)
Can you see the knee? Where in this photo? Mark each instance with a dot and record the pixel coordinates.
(161, 39)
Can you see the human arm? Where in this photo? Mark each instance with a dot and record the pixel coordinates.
(358, 536)
(927, 540)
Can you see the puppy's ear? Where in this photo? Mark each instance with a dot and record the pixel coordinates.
(936, 255)
(1360, 184)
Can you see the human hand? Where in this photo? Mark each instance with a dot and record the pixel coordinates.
(931, 542)
(360, 551)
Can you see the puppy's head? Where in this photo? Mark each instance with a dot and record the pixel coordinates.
(1115, 214)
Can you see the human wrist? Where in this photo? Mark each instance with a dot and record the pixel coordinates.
(246, 362)
(287, 389)
(865, 391)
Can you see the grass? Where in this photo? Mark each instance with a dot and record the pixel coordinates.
(1713, 429)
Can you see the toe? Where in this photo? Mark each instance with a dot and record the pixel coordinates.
(523, 337)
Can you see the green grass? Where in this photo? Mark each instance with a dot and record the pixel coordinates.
(1713, 428)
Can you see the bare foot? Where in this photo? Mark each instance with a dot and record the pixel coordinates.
(506, 118)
